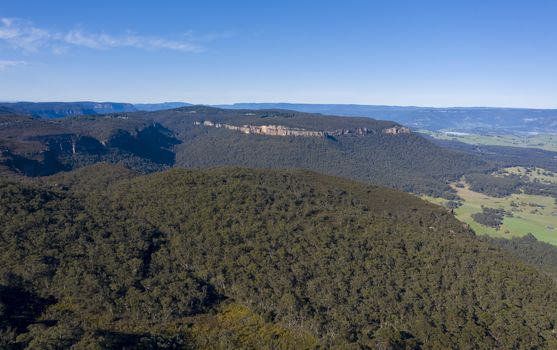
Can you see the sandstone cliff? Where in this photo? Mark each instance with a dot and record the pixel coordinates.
(279, 130)
(396, 130)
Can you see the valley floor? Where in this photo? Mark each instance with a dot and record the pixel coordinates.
(525, 213)
(546, 142)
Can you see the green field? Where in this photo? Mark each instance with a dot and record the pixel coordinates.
(532, 173)
(530, 214)
(547, 142)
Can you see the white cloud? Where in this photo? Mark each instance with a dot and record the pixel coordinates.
(23, 35)
(105, 41)
(5, 64)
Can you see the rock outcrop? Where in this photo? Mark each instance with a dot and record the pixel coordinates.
(280, 130)
(396, 130)
(271, 130)
(354, 131)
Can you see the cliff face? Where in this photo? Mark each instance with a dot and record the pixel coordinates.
(396, 130)
(279, 130)
(271, 130)
(354, 131)
(38, 148)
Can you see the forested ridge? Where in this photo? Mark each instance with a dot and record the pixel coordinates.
(152, 141)
(407, 161)
(233, 258)
(529, 249)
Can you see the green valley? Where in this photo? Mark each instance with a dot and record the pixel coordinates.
(524, 213)
(543, 141)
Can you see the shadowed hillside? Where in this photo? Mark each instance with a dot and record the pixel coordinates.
(36, 147)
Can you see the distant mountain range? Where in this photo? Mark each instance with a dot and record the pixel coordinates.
(483, 120)
(67, 109)
(160, 106)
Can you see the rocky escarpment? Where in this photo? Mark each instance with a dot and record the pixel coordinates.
(395, 130)
(272, 130)
(279, 130)
(37, 148)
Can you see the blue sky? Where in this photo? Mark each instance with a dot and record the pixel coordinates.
(426, 53)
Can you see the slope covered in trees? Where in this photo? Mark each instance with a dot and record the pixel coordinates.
(503, 156)
(404, 161)
(151, 141)
(103, 258)
(529, 249)
(35, 147)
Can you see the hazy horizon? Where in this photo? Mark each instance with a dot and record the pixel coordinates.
(272, 103)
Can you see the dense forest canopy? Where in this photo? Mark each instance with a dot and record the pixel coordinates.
(529, 249)
(104, 258)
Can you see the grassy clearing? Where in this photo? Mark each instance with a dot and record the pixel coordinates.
(531, 173)
(546, 142)
(530, 214)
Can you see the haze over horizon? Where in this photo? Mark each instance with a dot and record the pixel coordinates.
(403, 53)
(193, 103)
